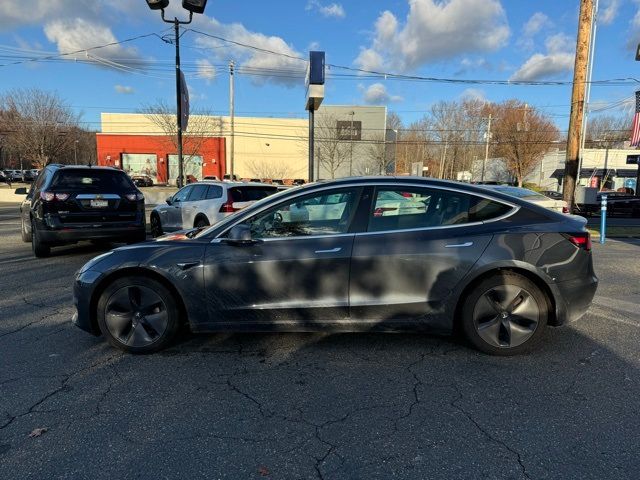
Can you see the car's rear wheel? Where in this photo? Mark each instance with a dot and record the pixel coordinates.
(40, 249)
(201, 222)
(156, 226)
(505, 314)
(138, 315)
(26, 236)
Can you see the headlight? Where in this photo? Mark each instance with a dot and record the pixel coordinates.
(94, 261)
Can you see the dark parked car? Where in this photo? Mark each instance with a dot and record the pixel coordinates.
(69, 203)
(620, 204)
(142, 180)
(342, 256)
(27, 176)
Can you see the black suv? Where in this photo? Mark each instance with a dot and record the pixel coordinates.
(71, 203)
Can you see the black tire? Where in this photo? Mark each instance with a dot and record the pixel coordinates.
(201, 222)
(26, 236)
(156, 225)
(133, 333)
(40, 249)
(497, 321)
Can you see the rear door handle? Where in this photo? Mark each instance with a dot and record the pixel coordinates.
(459, 245)
(332, 250)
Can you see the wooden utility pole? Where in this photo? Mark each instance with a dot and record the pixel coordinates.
(233, 121)
(577, 101)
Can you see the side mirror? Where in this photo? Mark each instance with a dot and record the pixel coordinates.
(21, 191)
(169, 200)
(241, 235)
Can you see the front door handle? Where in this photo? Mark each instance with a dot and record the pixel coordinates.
(459, 245)
(332, 250)
(187, 265)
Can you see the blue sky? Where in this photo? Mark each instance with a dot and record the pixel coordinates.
(461, 39)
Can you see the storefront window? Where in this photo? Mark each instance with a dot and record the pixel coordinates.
(140, 164)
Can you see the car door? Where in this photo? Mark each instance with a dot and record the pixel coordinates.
(409, 260)
(171, 217)
(192, 205)
(297, 275)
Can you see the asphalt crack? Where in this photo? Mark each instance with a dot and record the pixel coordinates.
(480, 428)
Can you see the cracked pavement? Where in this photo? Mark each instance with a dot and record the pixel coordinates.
(313, 406)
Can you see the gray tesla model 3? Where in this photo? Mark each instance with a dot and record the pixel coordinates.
(356, 254)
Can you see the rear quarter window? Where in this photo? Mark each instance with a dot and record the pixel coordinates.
(483, 209)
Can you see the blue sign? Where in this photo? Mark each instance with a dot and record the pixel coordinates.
(630, 183)
(316, 68)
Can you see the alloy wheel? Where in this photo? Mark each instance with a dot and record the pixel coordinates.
(506, 316)
(136, 316)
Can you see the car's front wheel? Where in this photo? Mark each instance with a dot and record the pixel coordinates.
(201, 222)
(504, 314)
(40, 249)
(138, 314)
(26, 236)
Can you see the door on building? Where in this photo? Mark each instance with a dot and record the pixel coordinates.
(192, 165)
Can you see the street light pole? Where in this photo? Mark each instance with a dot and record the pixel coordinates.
(176, 25)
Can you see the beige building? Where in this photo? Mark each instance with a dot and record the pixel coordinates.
(278, 147)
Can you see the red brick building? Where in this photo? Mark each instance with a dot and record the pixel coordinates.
(156, 156)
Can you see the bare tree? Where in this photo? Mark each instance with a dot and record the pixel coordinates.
(39, 127)
(331, 152)
(521, 135)
(268, 168)
(202, 125)
(378, 159)
(605, 131)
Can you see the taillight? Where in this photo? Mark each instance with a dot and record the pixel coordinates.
(565, 209)
(227, 207)
(580, 240)
(132, 197)
(50, 196)
(379, 212)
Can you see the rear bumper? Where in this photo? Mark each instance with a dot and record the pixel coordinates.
(573, 298)
(51, 230)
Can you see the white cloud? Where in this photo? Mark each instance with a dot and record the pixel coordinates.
(537, 21)
(286, 67)
(469, 64)
(377, 94)
(206, 70)
(609, 12)
(124, 89)
(474, 94)
(558, 60)
(334, 10)
(435, 31)
(77, 34)
(313, 46)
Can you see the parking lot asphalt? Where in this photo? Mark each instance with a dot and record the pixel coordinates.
(288, 406)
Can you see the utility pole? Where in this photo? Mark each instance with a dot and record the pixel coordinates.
(577, 101)
(442, 159)
(232, 118)
(486, 149)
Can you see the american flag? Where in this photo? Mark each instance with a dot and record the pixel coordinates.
(635, 128)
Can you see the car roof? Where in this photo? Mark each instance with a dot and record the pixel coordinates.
(233, 184)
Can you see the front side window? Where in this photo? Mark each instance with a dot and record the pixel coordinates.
(183, 194)
(327, 213)
(410, 207)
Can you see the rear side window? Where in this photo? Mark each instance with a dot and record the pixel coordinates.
(199, 192)
(411, 207)
(213, 192)
(92, 179)
(250, 194)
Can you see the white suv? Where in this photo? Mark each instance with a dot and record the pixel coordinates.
(205, 203)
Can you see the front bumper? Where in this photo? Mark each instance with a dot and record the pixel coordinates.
(83, 287)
